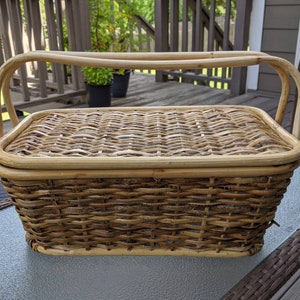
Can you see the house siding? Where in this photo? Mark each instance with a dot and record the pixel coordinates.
(280, 33)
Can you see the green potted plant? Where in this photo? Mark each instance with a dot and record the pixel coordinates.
(113, 25)
(99, 80)
(99, 85)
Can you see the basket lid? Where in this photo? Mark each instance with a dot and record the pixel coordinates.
(148, 137)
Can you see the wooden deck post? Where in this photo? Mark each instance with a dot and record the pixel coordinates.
(4, 31)
(12, 12)
(77, 14)
(161, 32)
(58, 70)
(174, 25)
(36, 40)
(241, 39)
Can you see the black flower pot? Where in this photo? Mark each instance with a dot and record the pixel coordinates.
(120, 84)
(99, 95)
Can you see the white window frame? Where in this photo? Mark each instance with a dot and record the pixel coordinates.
(255, 40)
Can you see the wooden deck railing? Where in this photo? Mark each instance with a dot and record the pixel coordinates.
(27, 25)
(38, 28)
(202, 30)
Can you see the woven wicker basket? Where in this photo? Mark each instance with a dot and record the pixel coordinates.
(201, 180)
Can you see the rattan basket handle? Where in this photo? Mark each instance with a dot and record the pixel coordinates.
(157, 61)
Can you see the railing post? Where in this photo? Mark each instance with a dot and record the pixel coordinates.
(241, 39)
(52, 25)
(14, 13)
(161, 31)
(35, 35)
(174, 25)
(77, 15)
(4, 31)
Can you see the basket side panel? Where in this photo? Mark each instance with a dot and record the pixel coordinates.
(197, 214)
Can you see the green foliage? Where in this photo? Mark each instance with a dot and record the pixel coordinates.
(100, 20)
(113, 25)
(119, 71)
(97, 76)
(124, 25)
(220, 6)
(146, 8)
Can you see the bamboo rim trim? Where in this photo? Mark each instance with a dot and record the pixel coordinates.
(158, 61)
(28, 175)
(238, 252)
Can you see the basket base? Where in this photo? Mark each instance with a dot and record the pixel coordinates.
(141, 251)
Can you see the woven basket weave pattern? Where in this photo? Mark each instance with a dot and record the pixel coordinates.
(197, 214)
(190, 132)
